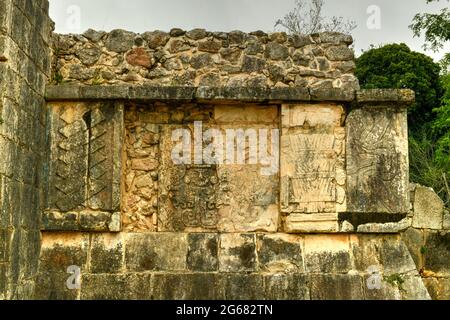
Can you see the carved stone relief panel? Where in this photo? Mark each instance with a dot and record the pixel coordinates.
(377, 160)
(190, 195)
(230, 193)
(85, 141)
(253, 181)
(312, 167)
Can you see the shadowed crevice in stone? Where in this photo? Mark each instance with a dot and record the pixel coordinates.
(361, 218)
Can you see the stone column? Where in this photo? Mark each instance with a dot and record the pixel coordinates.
(377, 156)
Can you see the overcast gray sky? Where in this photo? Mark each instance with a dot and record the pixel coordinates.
(245, 15)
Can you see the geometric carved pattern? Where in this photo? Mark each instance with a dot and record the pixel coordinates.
(84, 157)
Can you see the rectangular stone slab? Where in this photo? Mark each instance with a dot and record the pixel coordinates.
(229, 196)
(377, 160)
(312, 167)
(84, 162)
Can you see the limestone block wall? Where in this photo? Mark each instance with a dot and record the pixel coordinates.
(428, 240)
(201, 58)
(93, 204)
(292, 223)
(25, 31)
(210, 265)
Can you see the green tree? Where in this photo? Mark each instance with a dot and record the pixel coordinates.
(436, 28)
(396, 66)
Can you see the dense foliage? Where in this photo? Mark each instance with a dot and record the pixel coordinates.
(396, 66)
(436, 29)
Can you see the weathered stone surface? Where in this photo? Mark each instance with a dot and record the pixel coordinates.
(312, 167)
(89, 56)
(140, 202)
(119, 40)
(377, 161)
(52, 286)
(25, 59)
(186, 192)
(389, 227)
(286, 287)
(139, 57)
(94, 220)
(403, 97)
(81, 221)
(414, 240)
(93, 35)
(395, 257)
(243, 287)
(365, 251)
(437, 253)
(276, 51)
(428, 209)
(196, 34)
(336, 287)
(346, 227)
(279, 253)
(195, 286)
(446, 220)
(178, 45)
(156, 251)
(327, 254)
(237, 252)
(340, 53)
(61, 250)
(58, 221)
(251, 206)
(176, 32)
(253, 64)
(107, 251)
(178, 51)
(152, 93)
(387, 291)
(84, 164)
(201, 60)
(311, 223)
(438, 288)
(414, 289)
(116, 287)
(202, 252)
(156, 39)
(211, 46)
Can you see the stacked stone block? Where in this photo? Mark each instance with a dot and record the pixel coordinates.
(25, 31)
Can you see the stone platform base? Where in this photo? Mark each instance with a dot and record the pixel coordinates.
(227, 266)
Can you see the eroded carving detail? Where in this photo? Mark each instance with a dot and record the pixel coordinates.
(311, 162)
(85, 144)
(377, 160)
(312, 167)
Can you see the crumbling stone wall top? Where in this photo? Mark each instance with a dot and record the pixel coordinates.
(200, 58)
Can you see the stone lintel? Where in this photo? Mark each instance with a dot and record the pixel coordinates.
(92, 221)
(401, 98)
(226, 94)
(312, 223)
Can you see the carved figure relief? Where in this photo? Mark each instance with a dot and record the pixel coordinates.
(377, 152)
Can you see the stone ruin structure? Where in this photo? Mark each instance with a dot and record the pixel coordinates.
(317, 204)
